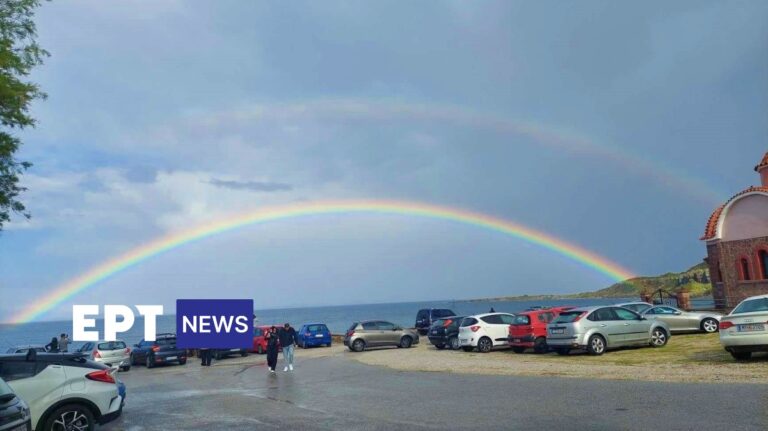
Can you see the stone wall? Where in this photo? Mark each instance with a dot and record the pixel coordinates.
(727, 253)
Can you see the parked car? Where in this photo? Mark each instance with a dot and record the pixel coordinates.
(225, 353)
(259, 342)
(161, 351)
(684, 321)
(24, 349)
(109, 353)
(485, 331)
(314, 334)
(529, 329)
(14, 412)
(64, 391)
(445, 332)
(425, 317)
(745, 329)
(378, 333)
(598, 329)
(637, 307)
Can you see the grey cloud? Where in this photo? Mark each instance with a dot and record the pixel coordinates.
(255, 186)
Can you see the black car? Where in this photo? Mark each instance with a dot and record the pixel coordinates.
(161, 351)
(445, 332)
(425, 317)
(14, 413)
(223, 353)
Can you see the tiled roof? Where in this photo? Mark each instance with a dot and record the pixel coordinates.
(711, 229)
(763, 163)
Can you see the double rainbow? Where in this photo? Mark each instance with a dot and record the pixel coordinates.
(156, 247)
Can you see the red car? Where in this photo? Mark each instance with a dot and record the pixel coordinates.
(259, 342)
(529, 329)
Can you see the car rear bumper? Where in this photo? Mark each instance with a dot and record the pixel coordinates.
(440, 339)
(521, 341)
(162, 357)
(569, 342)
(114, 414)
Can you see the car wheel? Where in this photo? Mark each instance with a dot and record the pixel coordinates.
(659, 338)
(484, 345)
(423, 331)
(133, 360)
(127, 368)
(563, 352)
(259, 350)
(596, 345)
(709, 325)
(182, 361)
(406, 342)
(149, 362)
(440, 346)
(540, 345)
(243, 353)
(454, 342)
(467, 348)
(70, 417)
(741, 356)
(358, 345)
(518, 349)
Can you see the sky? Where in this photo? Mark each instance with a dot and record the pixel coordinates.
(617, 126)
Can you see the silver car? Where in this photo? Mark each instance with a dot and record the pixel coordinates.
(598, 329)
(110, 353)
(684, 321)
(378, 333)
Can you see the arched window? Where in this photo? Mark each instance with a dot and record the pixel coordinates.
(743, 267)
(762, 263)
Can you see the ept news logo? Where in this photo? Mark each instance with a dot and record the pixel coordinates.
(214, 323)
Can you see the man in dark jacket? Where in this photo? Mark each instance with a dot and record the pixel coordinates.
(287, 336)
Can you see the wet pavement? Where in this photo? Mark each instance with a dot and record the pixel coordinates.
(333, 393)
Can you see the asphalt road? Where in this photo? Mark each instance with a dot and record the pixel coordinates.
(333, 393)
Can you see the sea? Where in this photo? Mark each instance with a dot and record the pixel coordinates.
(337, 318)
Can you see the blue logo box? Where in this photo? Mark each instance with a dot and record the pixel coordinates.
(214, 323)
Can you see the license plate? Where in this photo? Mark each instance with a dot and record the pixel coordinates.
(515, 340)
(319, 336)
(234, 350)
(434, 332)
(557, 331)
(171, 358)
(752, 327)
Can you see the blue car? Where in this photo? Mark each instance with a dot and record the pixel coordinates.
(121, 389)
(314, 334)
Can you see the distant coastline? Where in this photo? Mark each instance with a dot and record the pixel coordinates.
(694, 279)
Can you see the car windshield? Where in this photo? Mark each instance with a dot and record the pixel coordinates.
(166, 341)
(111, 345)
(443, 313)
(354, 325)
(752, 305)
(468, 321)
(521, 319)
(568, 316)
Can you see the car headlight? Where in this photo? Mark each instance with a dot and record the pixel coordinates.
(25, 413)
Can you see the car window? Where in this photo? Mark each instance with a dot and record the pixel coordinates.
(386, 326)
(546, 317)
(422, 314)
(602, 315)
(370, 326)
(752, 305)
(468, 321)
(568, 316)
(111, 345)
(623, 314)
(521, 319)
(507, 319)
(354, 325)
(443, 313)
(664, 310)
(493, 319)
(166, 341)
(15, 370)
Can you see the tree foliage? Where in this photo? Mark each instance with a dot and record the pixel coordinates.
(19, 54)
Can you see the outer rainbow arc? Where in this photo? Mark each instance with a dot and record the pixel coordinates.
(169, 242)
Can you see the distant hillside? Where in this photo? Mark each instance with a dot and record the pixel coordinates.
(695, 279)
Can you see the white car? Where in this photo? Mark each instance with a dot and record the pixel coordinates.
(63, 391)
(485, 331)
(111, 353)
(745, 330)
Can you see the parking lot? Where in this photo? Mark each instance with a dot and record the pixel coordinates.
(331, 389)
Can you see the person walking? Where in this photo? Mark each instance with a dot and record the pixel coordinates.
(53, 346)
(64, 343)
(205, 357)
(288, 339)
(272, 346)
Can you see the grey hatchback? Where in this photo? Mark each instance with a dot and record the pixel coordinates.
(598, 329)
(378, 333)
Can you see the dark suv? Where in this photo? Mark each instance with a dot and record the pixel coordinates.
(445, 332)
(161, 351)
(427, 316)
